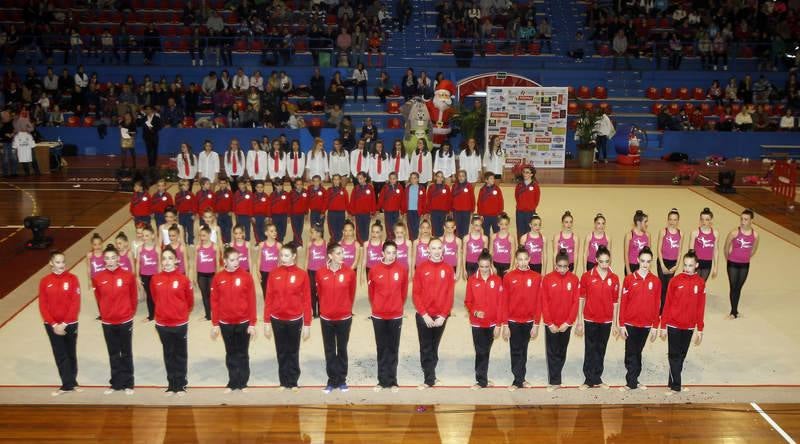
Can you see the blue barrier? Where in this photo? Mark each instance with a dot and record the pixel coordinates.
(90, 143)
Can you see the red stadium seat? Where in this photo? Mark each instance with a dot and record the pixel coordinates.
(73, 121)
(674, 109)
(683, 93)
(688, 107)
(572, 108)
(300, 45)
(393, 107)
(779, 110)
(447, 48)
(314, 122)
(490, 48)
(657, 108)
(600, 92)
(188, 122)
(735, 108)
(653, 93)
(699, 94)
(394, 123)
(317, 106)
(719, 110)
(767, 109)
(534, 48)
(396, 92)
(584, 93)
(571, 92)
(705, 108)
(604, 50)
(221, 122)
(605, 106)
(588, 106)
(240, 45)
(88, 121)
(746, 52)
(668, 93)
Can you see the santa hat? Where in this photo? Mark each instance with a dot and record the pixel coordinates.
(446, 85)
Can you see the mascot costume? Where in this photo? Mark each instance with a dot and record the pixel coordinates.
(417, 126)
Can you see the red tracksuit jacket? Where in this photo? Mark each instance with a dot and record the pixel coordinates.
(433, 289)
(484, 295)
(560, 298)
(422, 200)
(317, 199)
(243, 203)
(288, 295)
(685, 305)
(185, 202)
(205, 201)
(140, 204)
(640, 300)
(161, 202)
(362, 200)
(391, 198)
(527, 196)
(279, 202)
(490, 201)
(261, 204)
(173, 297)
(387, 287)
(337, 199)
(521, 301)
(223, 201)
(233, 298)
(298, 202)
(600, 295)
(59, 298)
(463, 197)
(116, 295)
(337, 291)
(439, 197)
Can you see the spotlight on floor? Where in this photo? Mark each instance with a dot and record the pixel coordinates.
(726, 181)
(38, 225)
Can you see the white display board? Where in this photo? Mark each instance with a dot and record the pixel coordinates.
(531, 121)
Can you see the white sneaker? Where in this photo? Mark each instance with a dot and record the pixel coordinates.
(181, 393)
(552, 388)
(377, 389)
(282, 388)
(244, 390)
(201, 62)
(476, 387)
(624, 388)
(295, 389)
(395, 389)
(129, 392)
(423, 387)
(194, 62)
(58, 392)
(641, 387)
(169, 394)
(109, 391)
(583, 387)
(512, 388)
(227, 390)
(602, 386)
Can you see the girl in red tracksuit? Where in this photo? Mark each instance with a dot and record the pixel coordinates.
(59, 304)
(560, 294)
(433, 296)
(638, 316)
(317, 200)
(117, 296)
(362, 205)
(463, 203)
(174, 299)
(336, 286)
(490, 204)
(280, 206)
(140, 204)
(287, 311)
(337, 202)
(223, 205)
(298, 208)
(186, 204)
(599, 301)
(440, 202)
(261, 210)
(483, 300)
(683, 313)
(161, 200)
(521, 312)
(390, 202)
(527, 194)
(233, 302)
(243, 206)
(388, 290)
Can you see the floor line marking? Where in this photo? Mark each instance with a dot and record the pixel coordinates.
(772, 423)
(34, 210)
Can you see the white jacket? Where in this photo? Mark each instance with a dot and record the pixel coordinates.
(276, 172)
(470, 164)
(290, 162)
(182, 166)
(495, 162)
(263, 166)
(208, 165)
(317, 165)
(24, 143)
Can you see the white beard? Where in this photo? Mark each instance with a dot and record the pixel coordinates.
(442, 104)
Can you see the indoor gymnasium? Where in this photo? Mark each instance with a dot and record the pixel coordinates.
(407, 221)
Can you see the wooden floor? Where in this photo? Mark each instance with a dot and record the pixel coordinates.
(706, 423)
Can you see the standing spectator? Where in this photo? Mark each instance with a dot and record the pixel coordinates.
(704, 47)
(124, 42)
(577, 47)
(605, 130)
(317, 85)
(374, 44)
(360, 78)
(75, 46)
(425, 85)
(344, 43)
(197, 46)
(215, 26)
(127, 131)
(359, 46)
(620, 46)
(107, 46)
(675, 52)
(151, 125)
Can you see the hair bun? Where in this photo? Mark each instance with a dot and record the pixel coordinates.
(599, 215)
(674, 209)
(706, 209)
(691, 251)
(639, 212)
(562, 251)
(485, 251)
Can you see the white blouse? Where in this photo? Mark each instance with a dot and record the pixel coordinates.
(401, 168)
(291, 171)
(182, 166)
(470, 164)
(263, 161)
(317, 165)
(208, 165)
(240, 163)
(339, 164)
(494, 163)
(354, 156)
(445, 164)
(385, 164)
(276, 169)
(426, 172)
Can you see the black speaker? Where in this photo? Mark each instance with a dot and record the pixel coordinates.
(38, 225)
(726, 181)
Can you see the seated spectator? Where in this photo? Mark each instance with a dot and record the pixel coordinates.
(620, 47)
(241, 82)
(369, 131)
(286, 85)
(374, 44)
(577, 47)
(222, 101)
(295, 121)
(55, 117)
(256, 81)
(191, 99)
(409, 84)
(745, 91)
(726, 120)
(360, 78)
(249, 117)
(675, 52)
(317, 85)
(347, 133)
(744, 119)
(697, 120)
(665, 121)
(788, 121)
(720, 48)
(335, 115)
(344, 43)
(172, 115)
(235, 116)
(762, 90)
(715, 92)
(761, 120)
(731, 91)
(384, 87)
(209, 85)
(683, 121)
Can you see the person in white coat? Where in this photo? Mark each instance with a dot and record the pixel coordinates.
(187, 164)
(23, 144)
(422, 162)
(295, 161)
(399, 162)
(359, 159)
(339, 160)
(379, 166)
(208, 162)
(445, 161)
(257, 162)
(234, 161)
(469, 160)
(495, 157)
(276, 162)
(317, 161)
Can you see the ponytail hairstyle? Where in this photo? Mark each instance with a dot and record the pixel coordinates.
(485, 256)
(96, 236)
(647, 250)
(169, 249)
(228, 251)
(567, 214)
(675, 212)
(290, 246)
(378, 224)
(603, 250)
(599, 216)
(348, 222)
(318, 228)
(562, 255)
(174, 229)
(707, 212)
(332, 247)
(535, 216)
(638, 217)
(110, 248)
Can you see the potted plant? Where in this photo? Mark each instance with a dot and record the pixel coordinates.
(469, 122)
(585, 133)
